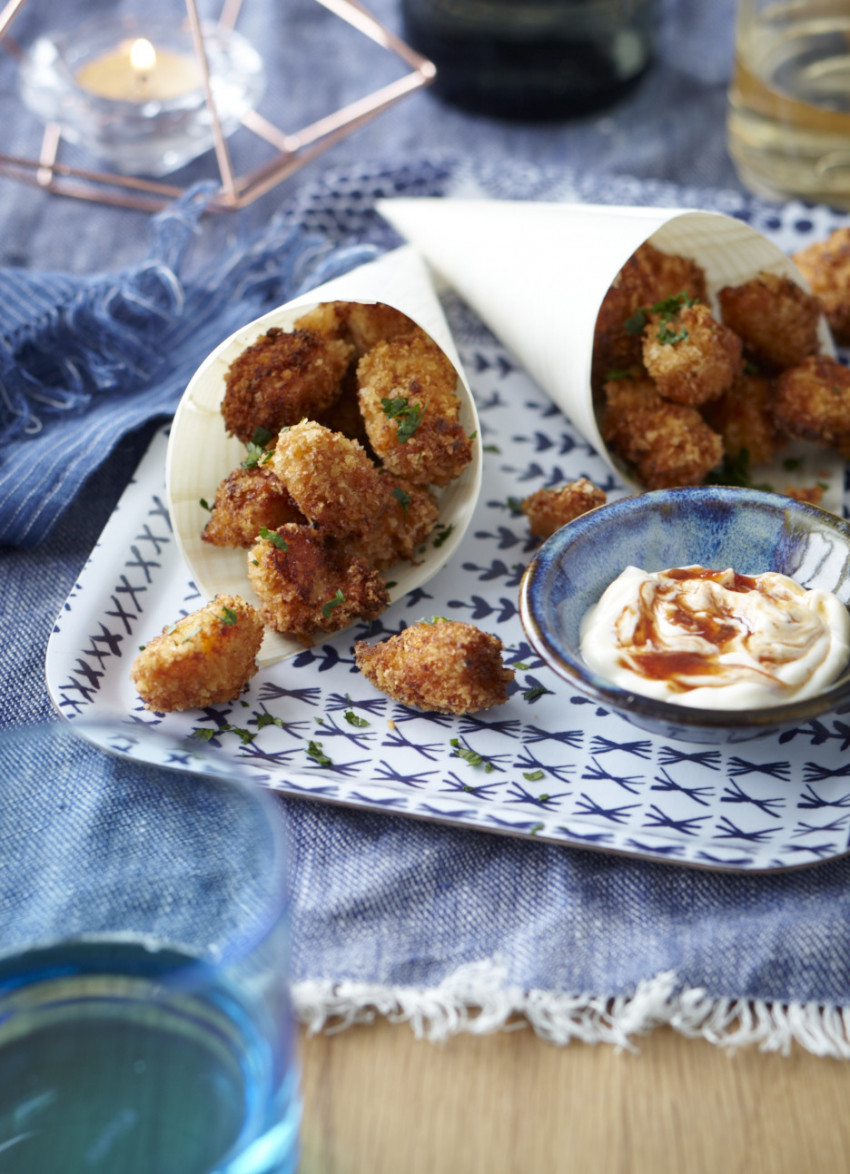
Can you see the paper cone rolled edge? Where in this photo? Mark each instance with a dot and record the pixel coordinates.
(536, 274)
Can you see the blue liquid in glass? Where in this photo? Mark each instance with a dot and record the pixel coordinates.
(105, 1067)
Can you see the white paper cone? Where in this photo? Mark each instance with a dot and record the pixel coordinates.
(536, 273)
(200, 453)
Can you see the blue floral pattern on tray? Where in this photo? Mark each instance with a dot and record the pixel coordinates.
(548, 764)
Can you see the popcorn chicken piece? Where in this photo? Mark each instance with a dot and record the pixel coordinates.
(446, 666)
(744, 419)
(245, 502)
(691, 357)
(308, 584)
(206, 658)
(812, 401)
(551, 508)
(408, 518)
(330, 478)
(409, 403)
(667, 444)
(774, 317)
(363, 324)
(826, 267)
(281, 378)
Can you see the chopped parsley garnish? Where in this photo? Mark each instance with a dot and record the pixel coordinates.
(205, 505)
(535, 828)
(402, 498)
(791, 464)
(203, 734)
(470, 756)
(636, 323)
(268, 719)
(735, 470)
(534, 776)
(515, 505)
(229, 616)
(435, 620)
(534, 692)
(668, 337)
(328, 607)
(444, 532)
(472, 435)
(521, 665)
(354, 719)
(274, 538)
(314, 751)
(618, 373)
(408, 415)
(491, 448)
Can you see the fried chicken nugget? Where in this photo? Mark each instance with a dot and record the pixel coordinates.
(691, 357)
(363, 324)
(551, 508)
(649, 276)
(826, 267)
(667, 444)
(812, 401)
(281, 378)
(744, 419)
(308, 584)
(446, 666)
(775, 318)
(331, 478)
(409, 516)
(245, 501)
(206, 658)
(409, 404)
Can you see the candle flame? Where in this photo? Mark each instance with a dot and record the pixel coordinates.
(142, 55)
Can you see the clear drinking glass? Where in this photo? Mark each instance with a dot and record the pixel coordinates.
(145, 1018)
(789, 108)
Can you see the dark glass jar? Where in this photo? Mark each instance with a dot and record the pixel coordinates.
(533, 59)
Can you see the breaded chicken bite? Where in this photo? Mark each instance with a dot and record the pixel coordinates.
(744, 419)
(408, 518)
(826, 267)
(331, 479)
(280, 379)
(666, 444)
(551, 508)
(363, 324)
(409, 404)
(344, 413)
(206, 658)
(445, 666)
(812, 401)
(775, 318)
(649, 276)
(245, 501)
(308, 585)
(691, 357)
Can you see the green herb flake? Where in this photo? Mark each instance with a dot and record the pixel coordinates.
(791, 464)
(274, 538)
(354, 719)
(636, 323)
(408, 416)
(534, 692)
(470, 756)
(205, 505)
(229, 615)
(618, 373)
(535, 828)
(473, 435)
(203, 734)
(515, 505)
(444, 532)
(328, 607)
(669, 337)
(402, 498)
(521, 666)
(534, 776)
(491, 448)
(735, 470)
(314, 751)
(434, 620)
(268, 719)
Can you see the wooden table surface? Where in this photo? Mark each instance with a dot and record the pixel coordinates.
(379, 1101)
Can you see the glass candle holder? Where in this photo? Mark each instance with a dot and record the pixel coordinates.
(132, 93)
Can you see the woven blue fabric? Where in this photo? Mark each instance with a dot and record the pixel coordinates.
(388, 901)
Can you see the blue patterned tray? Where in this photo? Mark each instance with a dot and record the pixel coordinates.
(552, 765)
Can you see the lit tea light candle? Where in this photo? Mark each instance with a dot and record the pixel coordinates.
(137, 71)
(135, 98)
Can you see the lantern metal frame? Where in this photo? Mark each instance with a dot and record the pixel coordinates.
(292, 150)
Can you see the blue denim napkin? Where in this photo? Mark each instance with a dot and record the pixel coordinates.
(414, 919)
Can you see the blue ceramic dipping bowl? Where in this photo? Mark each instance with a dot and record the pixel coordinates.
(717, 527)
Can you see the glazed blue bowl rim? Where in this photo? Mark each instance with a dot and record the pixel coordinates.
(573, 669)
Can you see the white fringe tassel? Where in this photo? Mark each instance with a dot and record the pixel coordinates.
(475, 999)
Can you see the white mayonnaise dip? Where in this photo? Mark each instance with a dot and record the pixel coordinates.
(716, 639)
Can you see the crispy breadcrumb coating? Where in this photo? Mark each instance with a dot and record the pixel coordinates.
(550, 508)
(666, 444)
(649, 276)
(206, 658)
(744, 419)
(363, 324)
(775, 318)
(826, 267)
(810, 493)
(812, 401)
(331, 479)
(283, 377)
(344, 413)
(245, 501)
(408, 518)
(691, 357)
(307, 584)
(446, 666)
(409, 403)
